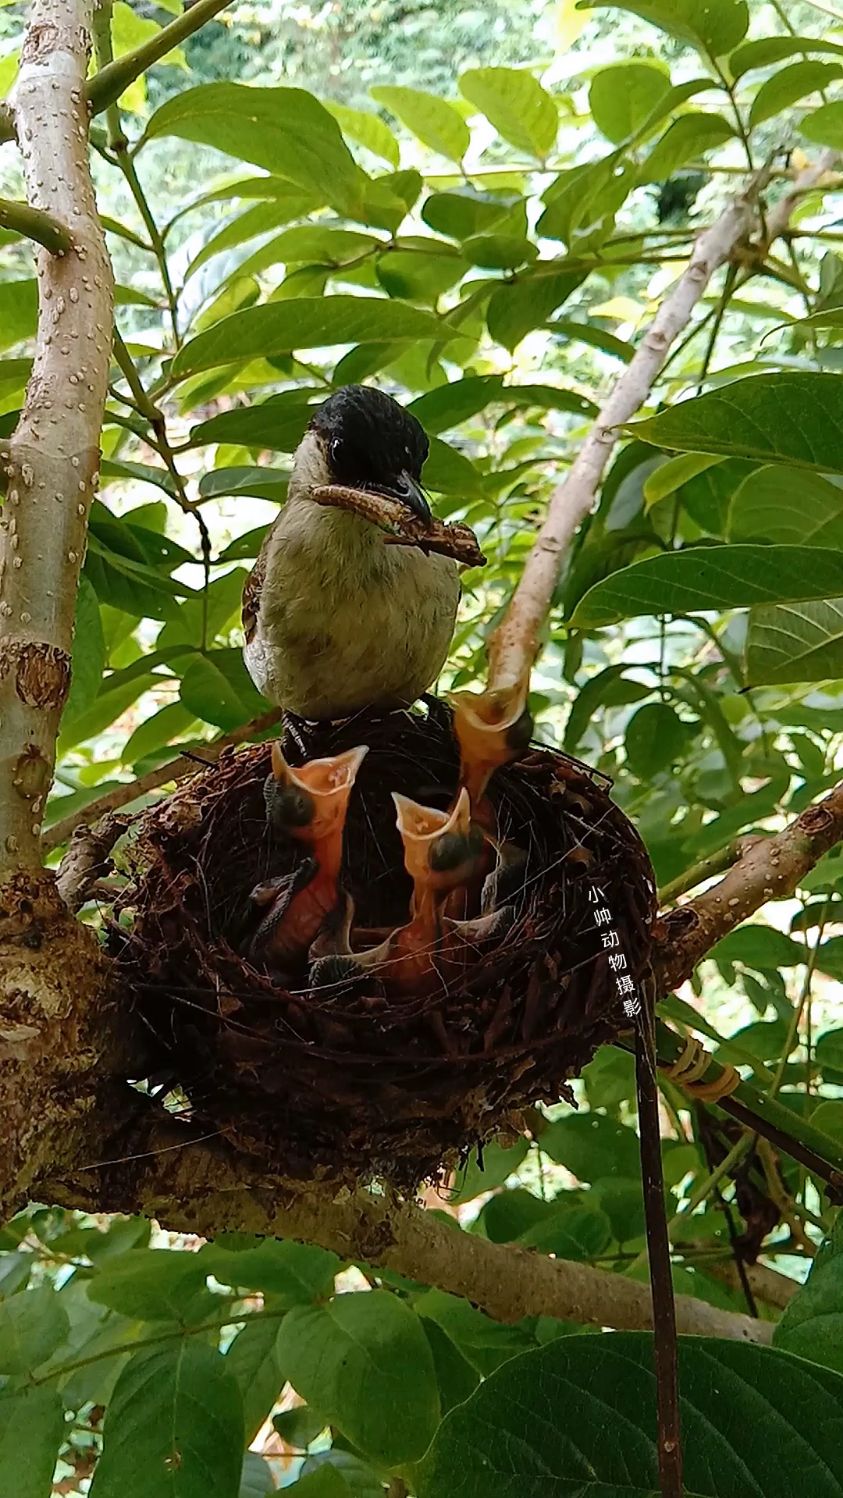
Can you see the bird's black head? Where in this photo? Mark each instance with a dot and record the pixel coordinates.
(372, 443)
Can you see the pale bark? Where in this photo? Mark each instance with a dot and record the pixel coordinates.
(197, 1189)
(515, 643)
(51, 462)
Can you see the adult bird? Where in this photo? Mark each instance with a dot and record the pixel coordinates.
(336, 620)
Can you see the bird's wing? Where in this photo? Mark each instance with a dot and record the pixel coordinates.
(288, 888)
(252, 589)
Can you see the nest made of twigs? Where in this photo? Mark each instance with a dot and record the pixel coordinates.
(348, 1081)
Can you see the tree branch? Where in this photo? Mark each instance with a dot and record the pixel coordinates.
(196, 1188)
(174, 769)
(767, 869)
(51, 461)
(34, 224)
(110, 82)
(514, 644)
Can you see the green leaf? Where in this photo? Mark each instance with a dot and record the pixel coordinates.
(33, 1324)
(498, 1163)
(296, 1274)
(258, 219)
(366, 128)
(89, 654)
(252, 1359)
(795, 642)
(484, 1343)
(609, 688)
(364, 1362)
(173, 1427)
(18, 311)
(790, 84)
(623, 97)
(751, 1418)
(770, 49)
(711, 577)
(812, 1324)
(149, 1284)
(285, 130)
(463, 213)
(455, 1376)
(517, 308)
(655, 738)
(278, 423)
(299, 1427)
(825, 125)
(305, 322)
(256, 1479)
(592, 1146)
(686, 139)
(673, 473)
(357, 1477)
(794, 418)
(572, 1232)
(437, 124)
(499, 251)
(714, 27)
(516, 104)
(208, 692)
(582, 202)
(787, 505)
(758, 946)
(610, 1078)
(31, 1432)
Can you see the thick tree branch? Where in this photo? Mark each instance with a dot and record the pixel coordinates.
(107, 85)
(34, 224)
(51, 462)
(199, 1189)
(174, 769)
(768, 869)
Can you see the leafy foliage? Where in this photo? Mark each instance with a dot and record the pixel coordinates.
(490, 246)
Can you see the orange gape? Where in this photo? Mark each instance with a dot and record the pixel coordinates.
(441, 852)
(309, 805)
(492, 729)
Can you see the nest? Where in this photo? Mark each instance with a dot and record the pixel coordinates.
(348, 1081)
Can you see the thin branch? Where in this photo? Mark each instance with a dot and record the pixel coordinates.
(514, 643)
(110, 82)
(175, 769)
(34, 223)
(160, 441)
(768, 869)
(52, 459)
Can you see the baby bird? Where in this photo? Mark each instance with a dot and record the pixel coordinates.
(308, 805)
(441, 850)
(492, 729)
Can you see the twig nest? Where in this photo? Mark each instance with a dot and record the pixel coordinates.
(351, 1080)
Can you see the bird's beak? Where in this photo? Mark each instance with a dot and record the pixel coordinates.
(492, 728)
(330, 782)
(409, 491)
(422, 827)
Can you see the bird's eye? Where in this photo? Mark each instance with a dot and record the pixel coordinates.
(335, 448)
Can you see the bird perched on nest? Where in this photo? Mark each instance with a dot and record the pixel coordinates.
(335, 620)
